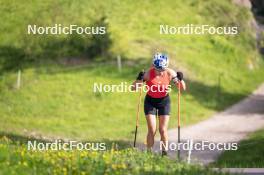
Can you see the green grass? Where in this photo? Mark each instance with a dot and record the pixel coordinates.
(59, 101)
(249, 154)
(56, 100)
(16, 159)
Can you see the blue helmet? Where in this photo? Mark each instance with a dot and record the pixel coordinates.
(160, 61)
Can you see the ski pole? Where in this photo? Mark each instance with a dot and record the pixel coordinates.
(137, 120)
(157, 116)
(179, 119)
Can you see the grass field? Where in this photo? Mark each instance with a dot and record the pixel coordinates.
(55, 99)
(16, 159)
(249, 154)
(59, 102)
(70, 108)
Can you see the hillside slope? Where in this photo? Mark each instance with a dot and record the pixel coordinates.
(57, 100)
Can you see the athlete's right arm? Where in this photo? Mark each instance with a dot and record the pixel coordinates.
(142, 76)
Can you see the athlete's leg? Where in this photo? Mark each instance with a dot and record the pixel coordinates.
(164, 117)
(163, 130)
(151, 121)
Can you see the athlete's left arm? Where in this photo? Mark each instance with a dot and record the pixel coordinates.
(177, 77)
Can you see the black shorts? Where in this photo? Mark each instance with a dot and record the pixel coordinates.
(151, 105)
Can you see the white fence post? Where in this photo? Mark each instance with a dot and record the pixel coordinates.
(18, 79)
(190, 151)
(119, 63)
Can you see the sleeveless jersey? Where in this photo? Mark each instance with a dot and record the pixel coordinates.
(158, 85)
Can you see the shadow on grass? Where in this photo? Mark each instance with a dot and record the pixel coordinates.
(209, 96)
(11, 58)
(23, 139)
(212, 96)
(109, 68)
(35, 48)
(254, 104)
